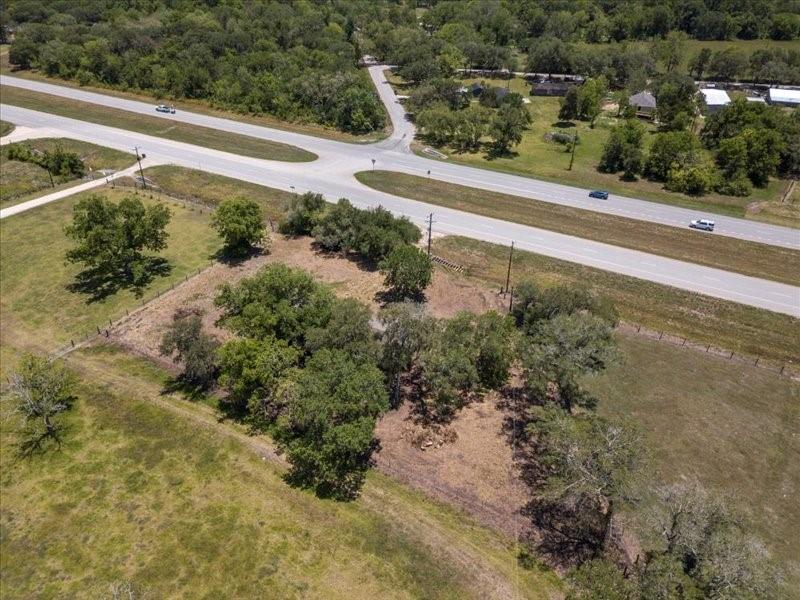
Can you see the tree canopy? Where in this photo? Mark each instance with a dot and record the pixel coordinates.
(111, 239)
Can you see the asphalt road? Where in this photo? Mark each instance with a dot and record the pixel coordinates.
(332, 175)
(394, 154)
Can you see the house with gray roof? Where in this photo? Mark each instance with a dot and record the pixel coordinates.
(644, 103)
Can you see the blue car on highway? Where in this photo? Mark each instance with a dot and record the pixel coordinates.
(601, 194)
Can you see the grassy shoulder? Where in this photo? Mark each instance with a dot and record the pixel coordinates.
(171, 130)
(200, 186)
(720, 323)
(39, 311)
(749, 258)
(20, 181)
(537, 157)
(731, 426)
(163, 495)
(6, 128)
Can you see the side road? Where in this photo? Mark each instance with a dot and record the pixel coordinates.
(393, 154)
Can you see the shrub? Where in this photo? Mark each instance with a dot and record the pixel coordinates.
(407, 270)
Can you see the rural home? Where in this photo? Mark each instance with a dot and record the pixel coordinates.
(550, 88)
(644, 103)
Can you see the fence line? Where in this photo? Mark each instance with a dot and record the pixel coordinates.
(104, 330)
(778, 367)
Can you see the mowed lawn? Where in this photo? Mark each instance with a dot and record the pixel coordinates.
(211, 189)
(20, 181)
(159, 127)
(153, 491)
(537, 157)
(734, 427)
(720, 323)
(39, 311)
(731, 254)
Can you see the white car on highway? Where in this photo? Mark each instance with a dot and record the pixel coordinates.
(704, 224)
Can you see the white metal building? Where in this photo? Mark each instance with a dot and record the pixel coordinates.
(781, 97)
(715, 99)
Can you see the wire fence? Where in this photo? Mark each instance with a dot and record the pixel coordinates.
(104, 329)
(781, 368)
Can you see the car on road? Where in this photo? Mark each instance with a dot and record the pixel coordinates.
(704, 224)
(601, 194)
(165, 109)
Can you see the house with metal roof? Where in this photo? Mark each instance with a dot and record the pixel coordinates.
(715, 99)
(784, 97)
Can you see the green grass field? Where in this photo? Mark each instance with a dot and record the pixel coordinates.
(155, 491)
(191, 184)
(39, 311)
(542, 159)
(731, 426)
(171, 130)
(757, 260)
(20, 181)
(707, 320)
(6, 128)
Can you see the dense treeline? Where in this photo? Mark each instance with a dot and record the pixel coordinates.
(750, 142)
(294, 60)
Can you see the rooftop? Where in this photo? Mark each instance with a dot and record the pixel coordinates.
(643, 99)
(781, 95)
(715, 97)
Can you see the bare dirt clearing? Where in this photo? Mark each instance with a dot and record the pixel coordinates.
(142, 331)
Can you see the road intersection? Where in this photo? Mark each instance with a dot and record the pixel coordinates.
(332, 174)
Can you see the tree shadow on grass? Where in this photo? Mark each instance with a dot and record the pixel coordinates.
(565, 533)
(562, 124)
(233, 257)
(192, 391)
(493, 153)
(98, 284)
(34, 442)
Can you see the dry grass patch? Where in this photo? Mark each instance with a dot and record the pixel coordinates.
(171, 130)
(743, 329)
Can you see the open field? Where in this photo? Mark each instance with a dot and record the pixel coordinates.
(199, 106)
(20, 181)
(6, 128)
(733, 427)
(537, 157)
(723, 324)
(153, 490)
(171, 130)
(39, 311)
(757, 260)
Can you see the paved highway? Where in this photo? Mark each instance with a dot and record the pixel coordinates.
(332, 175)
(394, 154)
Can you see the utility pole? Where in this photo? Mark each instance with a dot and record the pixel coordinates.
(508, 274)
(574, 143)
(139, 160)
(430, 231)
